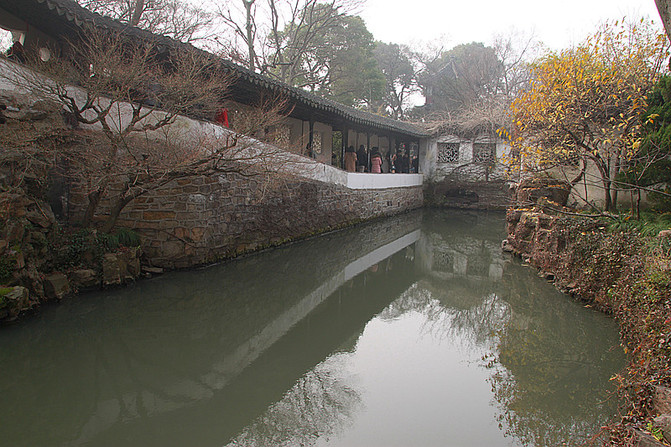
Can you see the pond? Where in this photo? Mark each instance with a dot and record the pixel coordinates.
(414, 330)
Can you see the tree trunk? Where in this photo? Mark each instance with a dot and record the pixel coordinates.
(664, 8)
(608, 200)
(118, 206)
(94, 200)
(638, 204)
(249, 29)
(580, 175)
(137, 13)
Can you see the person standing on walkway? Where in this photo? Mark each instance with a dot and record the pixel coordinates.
(376, 161)
(362, 159)
(350, 159)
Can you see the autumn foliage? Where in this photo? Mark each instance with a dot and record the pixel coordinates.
(582, 111)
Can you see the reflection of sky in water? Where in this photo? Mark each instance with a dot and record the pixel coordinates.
(425, 372)
(419, 388)
(412, 379)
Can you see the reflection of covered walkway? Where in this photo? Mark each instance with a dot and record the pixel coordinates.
(223, 372)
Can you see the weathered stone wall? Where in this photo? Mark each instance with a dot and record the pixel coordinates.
(463, 181)
(204, 219)
(481, 195)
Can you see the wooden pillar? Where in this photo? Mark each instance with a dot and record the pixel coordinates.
(368, 151)
(343, 140)
(311, 151)
(418, 151)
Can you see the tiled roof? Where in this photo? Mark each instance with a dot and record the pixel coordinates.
(66, 16)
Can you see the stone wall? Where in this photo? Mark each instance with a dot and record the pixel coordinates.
(477, 195)
(205, 219)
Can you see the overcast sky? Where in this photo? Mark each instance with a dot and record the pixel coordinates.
(557, 23)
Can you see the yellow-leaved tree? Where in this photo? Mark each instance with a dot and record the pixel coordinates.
(581, 115)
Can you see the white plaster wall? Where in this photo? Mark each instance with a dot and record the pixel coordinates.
(428, 157)
(325, 132)
(383, 181)
(463, 169)
(590, 188)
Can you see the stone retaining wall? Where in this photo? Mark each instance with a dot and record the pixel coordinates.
(204, 219)
(476, 195)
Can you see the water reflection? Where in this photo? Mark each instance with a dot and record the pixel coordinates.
(505, 359)
(408, 331)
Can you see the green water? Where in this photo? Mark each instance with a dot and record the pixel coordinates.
(412, 331)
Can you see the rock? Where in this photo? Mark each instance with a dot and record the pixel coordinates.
(133, 267)
(642, 439)
(38, 238)
(56, 286)
(547, 275)
(111, 270)
(14, 231)
(27, 114)
(14, 302)
(664, 423)
(152, 270)
(506, 247)
(31, 278)
(84, 278)
(20, 261)
(545, 221)
(513, 215)
(123, 267)
(41, 215)
(23, 107)
(530, 191)
(661, 399)
(131, 261)
(664, 234)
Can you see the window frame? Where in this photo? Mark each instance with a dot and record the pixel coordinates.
(451, 146)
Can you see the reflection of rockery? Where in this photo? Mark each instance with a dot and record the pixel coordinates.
(469, 257)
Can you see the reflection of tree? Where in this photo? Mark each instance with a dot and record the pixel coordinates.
(320, 404)
(471, 326)
(552, 358)
(554, 362)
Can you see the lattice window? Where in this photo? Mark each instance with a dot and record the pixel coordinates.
(448, 152)
(478, 267)
(283, 136)
(317, 142)
(442, 262)
(484, 153)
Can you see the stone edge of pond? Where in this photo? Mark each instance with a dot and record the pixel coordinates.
(622, 274)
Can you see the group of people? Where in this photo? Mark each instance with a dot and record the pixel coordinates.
(357, 161)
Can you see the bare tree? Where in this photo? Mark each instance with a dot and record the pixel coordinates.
(277, 34)
(245, 29)
(136, 95)
(173, 18)
(516, 51)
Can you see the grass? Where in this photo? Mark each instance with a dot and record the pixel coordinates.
(650, 224)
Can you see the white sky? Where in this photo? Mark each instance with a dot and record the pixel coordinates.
(556, 23)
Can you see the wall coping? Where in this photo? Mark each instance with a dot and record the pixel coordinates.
(383, 181)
